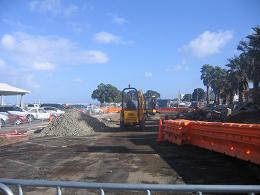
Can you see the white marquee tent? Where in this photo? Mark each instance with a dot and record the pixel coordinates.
(8, 90)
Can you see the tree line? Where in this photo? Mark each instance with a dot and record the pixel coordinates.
(107, 93)
(198, 94)
(240, 69)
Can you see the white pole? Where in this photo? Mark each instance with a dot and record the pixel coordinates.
(17, 101)
(2, 100)
(21, 102)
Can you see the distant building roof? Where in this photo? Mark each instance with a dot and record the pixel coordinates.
(6, 89)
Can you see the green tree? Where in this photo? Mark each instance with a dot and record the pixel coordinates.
(187, 97)
(198, 94)
(251, 54)
(206, 77)
(237, 76)
(228, 88)
(219, 76)
(106, 93)
(151, 93)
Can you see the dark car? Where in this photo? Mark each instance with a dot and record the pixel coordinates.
(59, 106)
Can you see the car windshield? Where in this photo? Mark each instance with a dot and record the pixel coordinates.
(17, 109)
(41, 111)
(50, 108)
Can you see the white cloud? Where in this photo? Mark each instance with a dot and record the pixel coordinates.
(77, 80)
(178, 67)
(8, 41)
(16, 76)
(106, 38)
(119, 20)
(2, 63)
(70, 9)
(43, 66)
(92, 57)
(55, 7)
(16, 24)
(175, 68)
(148, 75)
(77, 27)
(30, 80)
(208, 43)
(45, 53)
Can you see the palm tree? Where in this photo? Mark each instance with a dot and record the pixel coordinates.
(230, 87)
(237, 75)
(206, 76)
(219, 81)
(251, 55)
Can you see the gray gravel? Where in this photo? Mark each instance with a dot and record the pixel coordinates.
(73, 123)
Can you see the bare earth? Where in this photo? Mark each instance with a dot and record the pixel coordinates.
(124, 156)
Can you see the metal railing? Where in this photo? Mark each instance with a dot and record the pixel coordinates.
(148, 188)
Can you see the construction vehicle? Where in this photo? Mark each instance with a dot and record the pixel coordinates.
(133, 112)
(150, 105)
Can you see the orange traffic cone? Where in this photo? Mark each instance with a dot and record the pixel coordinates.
(50, 119)
(160, 132)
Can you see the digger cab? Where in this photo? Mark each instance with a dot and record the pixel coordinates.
(132, 113)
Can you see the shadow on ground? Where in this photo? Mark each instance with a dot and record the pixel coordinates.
(195, 165)
(200, 166)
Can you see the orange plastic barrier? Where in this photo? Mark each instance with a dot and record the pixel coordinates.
(163, 110)
(160, 136)
(176, 131)
(237, 140)
(111, 110)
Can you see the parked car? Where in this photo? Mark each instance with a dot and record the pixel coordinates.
(67, 106)
(29, 106)
(94, 110)
(97, 110)
(16, 119)
(59, 106)
(37, 113)
(3, 120)
(54, 111)
(12, 110)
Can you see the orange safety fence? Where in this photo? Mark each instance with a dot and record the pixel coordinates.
(111, 110)
(13, 134)
(238, 140)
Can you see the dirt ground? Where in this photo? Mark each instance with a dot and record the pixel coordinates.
(124, 156)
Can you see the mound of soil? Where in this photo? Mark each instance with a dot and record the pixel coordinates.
(73, 123)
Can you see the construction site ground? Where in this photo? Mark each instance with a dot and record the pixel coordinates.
(123, 156)
(35, 125)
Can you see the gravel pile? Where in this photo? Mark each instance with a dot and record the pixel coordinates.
(73, 124)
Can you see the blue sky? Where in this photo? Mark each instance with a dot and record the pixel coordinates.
(61, 50)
